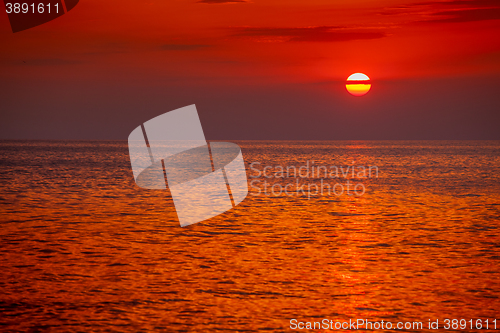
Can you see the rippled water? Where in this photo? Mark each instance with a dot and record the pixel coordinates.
(82, 248)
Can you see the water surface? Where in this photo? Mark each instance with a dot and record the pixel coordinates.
(82, 248)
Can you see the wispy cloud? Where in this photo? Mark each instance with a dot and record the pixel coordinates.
(183, 47)
(221, 1)
(455, 11)
(49, 62)
(306, 34)
(466, 15)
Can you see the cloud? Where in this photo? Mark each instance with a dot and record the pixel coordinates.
(455, 11)
(475, 3)
(306, 34)
(50, 62)
(221, 1)
(467, 15)
(183, 47)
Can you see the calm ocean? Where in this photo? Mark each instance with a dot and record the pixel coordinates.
(83, 249)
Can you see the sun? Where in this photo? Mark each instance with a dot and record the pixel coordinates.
(358, 84)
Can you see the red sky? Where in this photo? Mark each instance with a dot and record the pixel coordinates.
(247, 59)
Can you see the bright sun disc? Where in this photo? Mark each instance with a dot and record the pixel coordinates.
(358, 84)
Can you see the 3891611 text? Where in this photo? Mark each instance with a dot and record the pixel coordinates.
(32, 8)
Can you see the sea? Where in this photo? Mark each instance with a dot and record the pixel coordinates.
(84, 249)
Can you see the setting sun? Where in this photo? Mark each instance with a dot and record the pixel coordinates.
(358, 84)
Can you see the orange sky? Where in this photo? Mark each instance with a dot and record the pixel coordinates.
(160, 43)
(290, 40)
